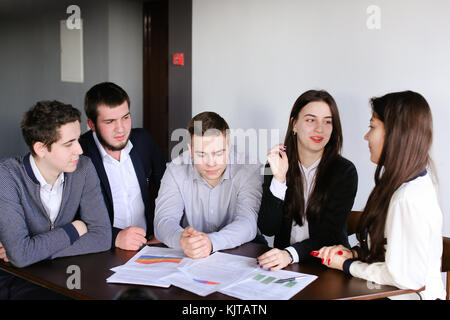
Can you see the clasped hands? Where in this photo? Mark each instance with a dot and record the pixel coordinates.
(195, 244)
(334, 256)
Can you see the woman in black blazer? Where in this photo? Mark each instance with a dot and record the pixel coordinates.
(309, 188)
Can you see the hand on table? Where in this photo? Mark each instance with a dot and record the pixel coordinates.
(131, 238)
(3, 253)
(195, 244)
(274, 259)
(80, 226)
(334, 256)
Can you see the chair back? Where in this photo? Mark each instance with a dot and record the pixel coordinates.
(445, 267)
(352, 222)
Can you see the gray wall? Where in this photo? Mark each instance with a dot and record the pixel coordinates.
(125, 49)
(30, 57)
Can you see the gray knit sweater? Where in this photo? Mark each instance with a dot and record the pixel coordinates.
(26, 231)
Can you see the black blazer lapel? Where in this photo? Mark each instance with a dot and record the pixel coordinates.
(143, 179)
(140, 174)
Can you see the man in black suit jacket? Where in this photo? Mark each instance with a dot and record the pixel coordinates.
(128, 163)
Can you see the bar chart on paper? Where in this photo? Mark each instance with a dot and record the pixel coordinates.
(206, 282)
(146, 259)
(149, 266)
(207, 275)
(269, 285)
(270, 279)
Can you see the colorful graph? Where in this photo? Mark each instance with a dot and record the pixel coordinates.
(157, 259)
(266, 280)
(206, 282)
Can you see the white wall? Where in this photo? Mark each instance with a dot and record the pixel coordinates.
(253, 58)
(125, 50)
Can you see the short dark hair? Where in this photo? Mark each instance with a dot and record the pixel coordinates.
(209, 121)
(107, 93)
(42, 121)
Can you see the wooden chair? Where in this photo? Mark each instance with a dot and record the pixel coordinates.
(352, 224)
(446, 262)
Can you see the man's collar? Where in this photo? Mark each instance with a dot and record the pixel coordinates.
(40, 178)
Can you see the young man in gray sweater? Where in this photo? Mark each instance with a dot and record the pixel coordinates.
(51, 203)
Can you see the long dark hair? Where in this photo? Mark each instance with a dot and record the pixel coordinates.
(294, 199)
(408, 126)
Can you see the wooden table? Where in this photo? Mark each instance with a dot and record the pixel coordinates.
(95, 268)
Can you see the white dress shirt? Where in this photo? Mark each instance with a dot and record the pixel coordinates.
(129, 209)
(51, 196)
(278, 189)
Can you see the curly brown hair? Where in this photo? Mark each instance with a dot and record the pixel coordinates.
(42, 121)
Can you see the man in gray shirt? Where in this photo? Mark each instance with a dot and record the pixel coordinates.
(210, 195)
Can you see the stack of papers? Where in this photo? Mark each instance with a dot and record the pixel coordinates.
(269, 285)
(216, 272)
(233, 275)
(150, 266)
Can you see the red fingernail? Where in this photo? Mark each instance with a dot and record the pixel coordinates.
(314, 253)
(340, 253)
(329, 261)
(322, 261)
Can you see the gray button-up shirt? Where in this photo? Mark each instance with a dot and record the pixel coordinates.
(227, 213)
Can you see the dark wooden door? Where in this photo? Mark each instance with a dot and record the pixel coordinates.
(156, 78)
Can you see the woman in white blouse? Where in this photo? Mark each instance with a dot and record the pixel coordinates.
(400, 230)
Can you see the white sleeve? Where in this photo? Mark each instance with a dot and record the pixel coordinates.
(408, 244)
(376, 272)
(293, 253)
(278, 189)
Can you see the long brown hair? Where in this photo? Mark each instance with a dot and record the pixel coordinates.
(408, 129)
(294, 200)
